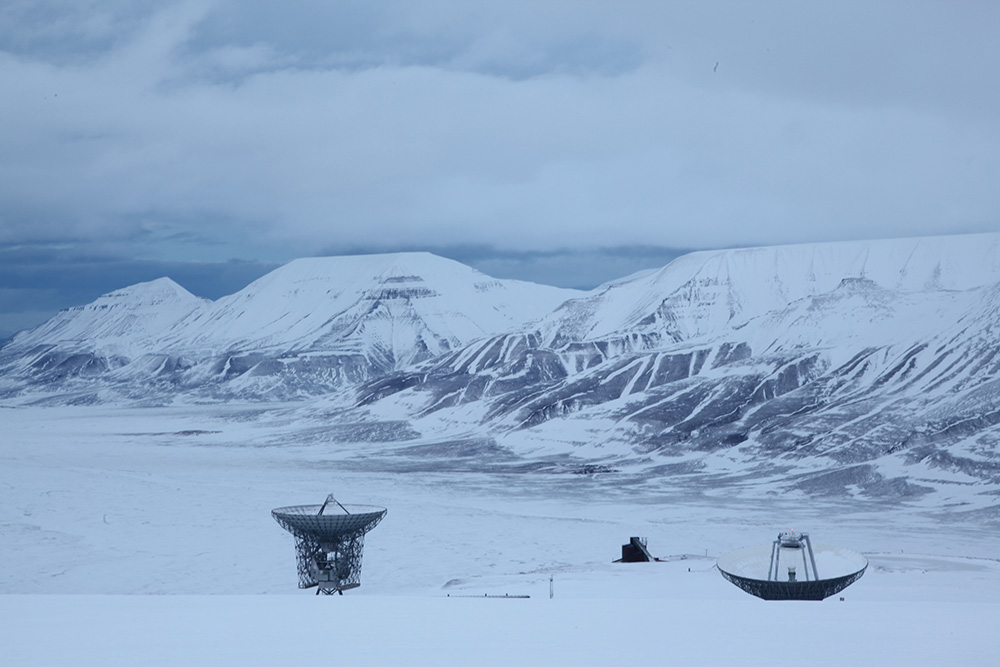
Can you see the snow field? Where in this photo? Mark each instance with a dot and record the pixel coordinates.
(145, 537)
(389, 630)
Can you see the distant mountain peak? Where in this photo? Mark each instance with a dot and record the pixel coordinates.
(309, 326)
(160, 288)
(120, 323)
(710, 290)
(396, 264)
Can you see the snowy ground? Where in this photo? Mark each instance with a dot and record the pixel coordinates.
(145, 537)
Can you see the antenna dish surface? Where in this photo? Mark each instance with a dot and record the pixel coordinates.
(306, 520)
(792, 569)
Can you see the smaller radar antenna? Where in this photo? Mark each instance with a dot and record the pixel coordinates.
(772, 572)
(329, 541)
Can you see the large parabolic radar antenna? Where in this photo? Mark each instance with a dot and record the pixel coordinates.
(329, 540)
(791, 568)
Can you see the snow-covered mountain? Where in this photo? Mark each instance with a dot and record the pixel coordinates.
(91, 341)
(306, 328)
(396, 308)
(868, 368)
(120, 323)
(704, 292)
(868, 357)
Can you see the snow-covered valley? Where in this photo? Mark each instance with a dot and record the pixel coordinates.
(518, 436)
(117, 523)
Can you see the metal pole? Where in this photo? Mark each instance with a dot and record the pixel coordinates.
(812, 557)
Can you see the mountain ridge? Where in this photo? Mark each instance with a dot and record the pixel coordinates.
(859, 368)
(307, 327)
(782, 274)
(864, 374)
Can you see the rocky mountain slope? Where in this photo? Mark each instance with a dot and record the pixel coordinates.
(868, 368)
(304, 329)
(852, 360)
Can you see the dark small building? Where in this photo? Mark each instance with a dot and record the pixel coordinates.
(635, 551)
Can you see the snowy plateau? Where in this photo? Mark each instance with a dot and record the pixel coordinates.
(518, 434)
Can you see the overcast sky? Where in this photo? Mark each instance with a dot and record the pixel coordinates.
(560, 142)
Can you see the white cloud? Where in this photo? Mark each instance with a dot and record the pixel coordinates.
(517, 125)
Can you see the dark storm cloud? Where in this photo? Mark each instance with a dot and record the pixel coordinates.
(207, 130)
(516, 40)
(578, 268)
(26, 269)
(517, 125)
(64, 31)
(38, 280)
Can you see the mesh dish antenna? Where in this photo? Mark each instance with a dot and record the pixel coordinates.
(791, 568)
(329, 541)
